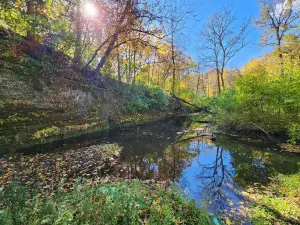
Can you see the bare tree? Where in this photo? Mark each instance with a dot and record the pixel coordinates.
(278, 17)
(223, 39)
(179, 13)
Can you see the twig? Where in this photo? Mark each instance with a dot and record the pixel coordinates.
(266, 133)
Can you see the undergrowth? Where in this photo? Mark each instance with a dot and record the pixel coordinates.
(140, 98)
(118, 203)
(281, 205)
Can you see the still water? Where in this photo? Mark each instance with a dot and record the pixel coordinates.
(212, 173)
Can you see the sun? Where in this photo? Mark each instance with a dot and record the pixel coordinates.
(90, 9)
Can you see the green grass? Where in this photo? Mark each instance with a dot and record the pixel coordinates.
(47, 132)
(281, 205)
(16, 118)
(117, 203)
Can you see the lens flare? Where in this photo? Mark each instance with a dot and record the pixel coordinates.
(90, 9)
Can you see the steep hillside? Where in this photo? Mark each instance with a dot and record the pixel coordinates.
(45, 97)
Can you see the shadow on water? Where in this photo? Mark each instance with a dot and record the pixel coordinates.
(212, 173)
(133, 138)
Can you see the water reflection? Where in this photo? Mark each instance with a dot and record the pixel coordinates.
(212, 173)
(167, 166)
(214, 177)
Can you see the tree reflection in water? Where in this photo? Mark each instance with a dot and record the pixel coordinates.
(212, 173)
(166, 167)
(216, 181)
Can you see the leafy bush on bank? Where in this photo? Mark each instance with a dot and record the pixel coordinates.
(270, 103)
(294, 133)
(140, 97)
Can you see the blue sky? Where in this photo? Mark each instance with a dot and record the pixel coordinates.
(242, 9)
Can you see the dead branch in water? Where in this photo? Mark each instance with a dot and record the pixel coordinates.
(201, 109)
(266, 133)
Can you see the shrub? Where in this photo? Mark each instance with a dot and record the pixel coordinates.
(140, 97)
(294, 133)
(265, 101)
(196, 99)
(225, 107)
(158, 98)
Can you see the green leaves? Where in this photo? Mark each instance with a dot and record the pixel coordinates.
(117, 203)
(139, 98)
(294, 133)
(270, 102)
(65, 217)
(279, 202)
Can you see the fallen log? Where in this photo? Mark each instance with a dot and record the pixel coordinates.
(210, 136)
(200, 109)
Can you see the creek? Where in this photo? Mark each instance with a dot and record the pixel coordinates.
(212, 173)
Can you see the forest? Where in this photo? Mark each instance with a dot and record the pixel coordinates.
(149, 112)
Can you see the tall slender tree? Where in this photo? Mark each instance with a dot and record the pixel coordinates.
(79, 28)
(223, 38)
(278, 18)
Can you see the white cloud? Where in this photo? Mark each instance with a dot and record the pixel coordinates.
(285, 5)
(297, 5)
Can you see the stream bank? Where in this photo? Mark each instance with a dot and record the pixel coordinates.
(41, 103)
(23, 125)
(128, 203)
(216, 175)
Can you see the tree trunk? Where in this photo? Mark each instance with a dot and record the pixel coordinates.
(203, 86)
(200, 109)
(280, 52)
(222, 79)
(198, 83)
(119, 66)
(129, 66)
(78, 42)
(281, 61)
(174, 67)
(153, 68)
(30, 5)
(149, 71)
(114, 38)
(218, 81)
(107, 53)
(134, 66)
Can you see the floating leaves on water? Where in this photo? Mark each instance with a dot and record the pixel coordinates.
(47, 170)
